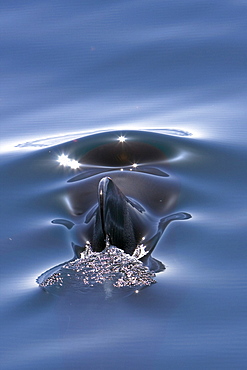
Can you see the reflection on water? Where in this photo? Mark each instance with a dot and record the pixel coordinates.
(71, 70)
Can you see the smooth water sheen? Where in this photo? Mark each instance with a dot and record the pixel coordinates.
(80, 75)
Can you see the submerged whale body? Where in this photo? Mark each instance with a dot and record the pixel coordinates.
(117, 225)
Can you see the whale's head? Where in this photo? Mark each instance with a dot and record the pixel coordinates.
(117, 219)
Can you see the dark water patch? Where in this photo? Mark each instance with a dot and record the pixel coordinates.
(127, 213)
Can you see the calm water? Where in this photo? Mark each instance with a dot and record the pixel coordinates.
(176, 73)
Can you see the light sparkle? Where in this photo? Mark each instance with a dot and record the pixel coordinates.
(65, 161)
(121, 139)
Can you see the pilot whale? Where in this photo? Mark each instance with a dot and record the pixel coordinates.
(120, 203)
(120, 220)
(116, 241)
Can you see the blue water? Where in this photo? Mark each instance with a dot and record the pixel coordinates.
(72, 70)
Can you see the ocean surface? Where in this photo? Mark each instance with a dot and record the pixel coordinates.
(77, 76)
